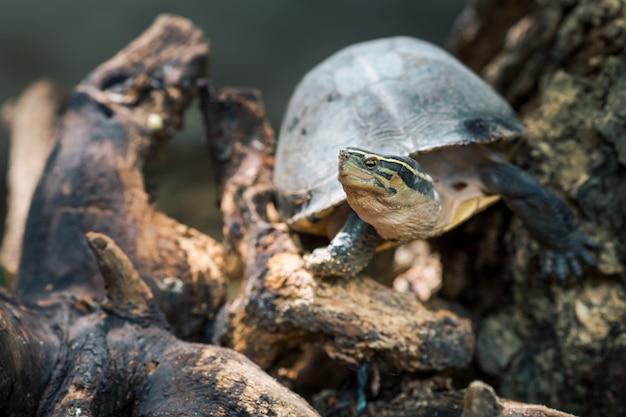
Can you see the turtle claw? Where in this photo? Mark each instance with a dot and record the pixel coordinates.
(559, 265)
(589, 242)
(588, 257)
(320, 262)
(574, 266)
(331, 261)
(561, 269)
(563, 262)
(348, 253)
(547, 263)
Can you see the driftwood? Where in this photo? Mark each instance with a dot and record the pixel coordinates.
(80, 337)
(33, 120)
(89, 327)
(121, 357)
(480, 400)
(93, 182)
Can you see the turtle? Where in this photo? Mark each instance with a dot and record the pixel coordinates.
(392, 140)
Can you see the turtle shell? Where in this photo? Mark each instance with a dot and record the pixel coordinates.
(394, 96)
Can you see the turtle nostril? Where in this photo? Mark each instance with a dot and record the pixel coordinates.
(343, 154)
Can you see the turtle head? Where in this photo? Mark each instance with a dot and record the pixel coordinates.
(392, 193)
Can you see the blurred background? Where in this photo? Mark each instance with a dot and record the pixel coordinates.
(267, 44)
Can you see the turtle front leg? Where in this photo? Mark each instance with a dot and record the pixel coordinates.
(349, 251)
(548, 219)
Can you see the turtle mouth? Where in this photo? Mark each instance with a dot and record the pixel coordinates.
(354, 176)
(348, 179)
(371, 185)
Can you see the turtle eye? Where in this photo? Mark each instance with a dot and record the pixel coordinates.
(370, 162)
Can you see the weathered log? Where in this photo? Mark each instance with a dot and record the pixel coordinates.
(93, 182)
(120, 358)
(86, 333)
(433, 396)
(480, 400)
(30, 345)
(401, 396)
(32, 120)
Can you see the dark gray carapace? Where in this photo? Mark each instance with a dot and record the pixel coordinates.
(396, 96)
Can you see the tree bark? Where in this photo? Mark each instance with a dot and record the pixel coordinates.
(561, 63)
